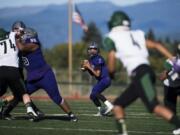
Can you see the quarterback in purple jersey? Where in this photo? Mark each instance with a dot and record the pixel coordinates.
(96, 66)
(39, 73)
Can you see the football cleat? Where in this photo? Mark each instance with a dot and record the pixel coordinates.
(107, 110)
(97, 114)
(73, 118)
(40, 113)
(32, 115)
(176, 131)
(7, 117)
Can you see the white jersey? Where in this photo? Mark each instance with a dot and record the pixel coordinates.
(9, 52)
(130, 47)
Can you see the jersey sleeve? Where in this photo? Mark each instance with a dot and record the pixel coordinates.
(108, 44)
(168, 65)
(99, 62)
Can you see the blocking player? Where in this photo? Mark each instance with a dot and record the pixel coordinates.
(17, 28)
(96, 66)
(9, 74)
(130, 47)
(39, 73)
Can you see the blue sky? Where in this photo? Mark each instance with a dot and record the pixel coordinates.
(19, 3)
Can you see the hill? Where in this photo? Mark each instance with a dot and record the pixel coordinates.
(51, 21)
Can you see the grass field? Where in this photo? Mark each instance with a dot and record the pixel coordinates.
(139, 121)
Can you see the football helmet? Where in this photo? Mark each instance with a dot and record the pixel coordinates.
(29, 33)
(18, 25)
(92, 49)
(119, 18)
(3, 34)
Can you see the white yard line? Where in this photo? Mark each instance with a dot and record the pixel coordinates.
(129, 115)
(80, 129)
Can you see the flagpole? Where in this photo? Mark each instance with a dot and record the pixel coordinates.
(70, 44)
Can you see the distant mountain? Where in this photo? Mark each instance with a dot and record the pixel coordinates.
(51, 21)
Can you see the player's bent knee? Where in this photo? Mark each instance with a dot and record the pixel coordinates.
(92, 96)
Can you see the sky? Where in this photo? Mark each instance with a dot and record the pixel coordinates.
(19, 3)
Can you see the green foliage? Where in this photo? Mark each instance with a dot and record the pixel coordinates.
(157, 63)
(150, 35)
(57, 57)
(93, 34)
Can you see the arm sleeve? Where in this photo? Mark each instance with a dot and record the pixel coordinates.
(99, 62)
(168, 65)
(108, 44)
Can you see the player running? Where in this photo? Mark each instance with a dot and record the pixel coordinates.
(130, 47)
(18, 28)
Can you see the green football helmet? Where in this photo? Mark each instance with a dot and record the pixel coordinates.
(3, 34)
(119, 18)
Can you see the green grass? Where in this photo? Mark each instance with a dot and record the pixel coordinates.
(139, 121)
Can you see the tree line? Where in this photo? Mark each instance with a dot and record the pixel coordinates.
(57, 56)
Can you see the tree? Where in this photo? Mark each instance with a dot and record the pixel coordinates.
(150, 35)
(92, 35)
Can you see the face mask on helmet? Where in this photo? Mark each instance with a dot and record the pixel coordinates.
(119, 18)
(93, 49)
(18, 27)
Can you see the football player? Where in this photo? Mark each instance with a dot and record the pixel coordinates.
(96, 66)
(10, 75)
(130, 47)
(171, 81)
(17, 28)
(39, 73)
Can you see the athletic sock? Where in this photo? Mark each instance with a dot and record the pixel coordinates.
(175, 121)
(29, 107)
(108, 104)
(121, 126)
(99, 108)
(29, 104)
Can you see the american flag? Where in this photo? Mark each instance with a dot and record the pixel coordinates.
(77, 18)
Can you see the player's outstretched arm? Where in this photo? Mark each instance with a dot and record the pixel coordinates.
(158, 46)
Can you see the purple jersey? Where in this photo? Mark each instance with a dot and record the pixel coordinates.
(98, 62)
(34, 62)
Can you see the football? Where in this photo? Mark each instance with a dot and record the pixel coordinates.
(82, 65)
